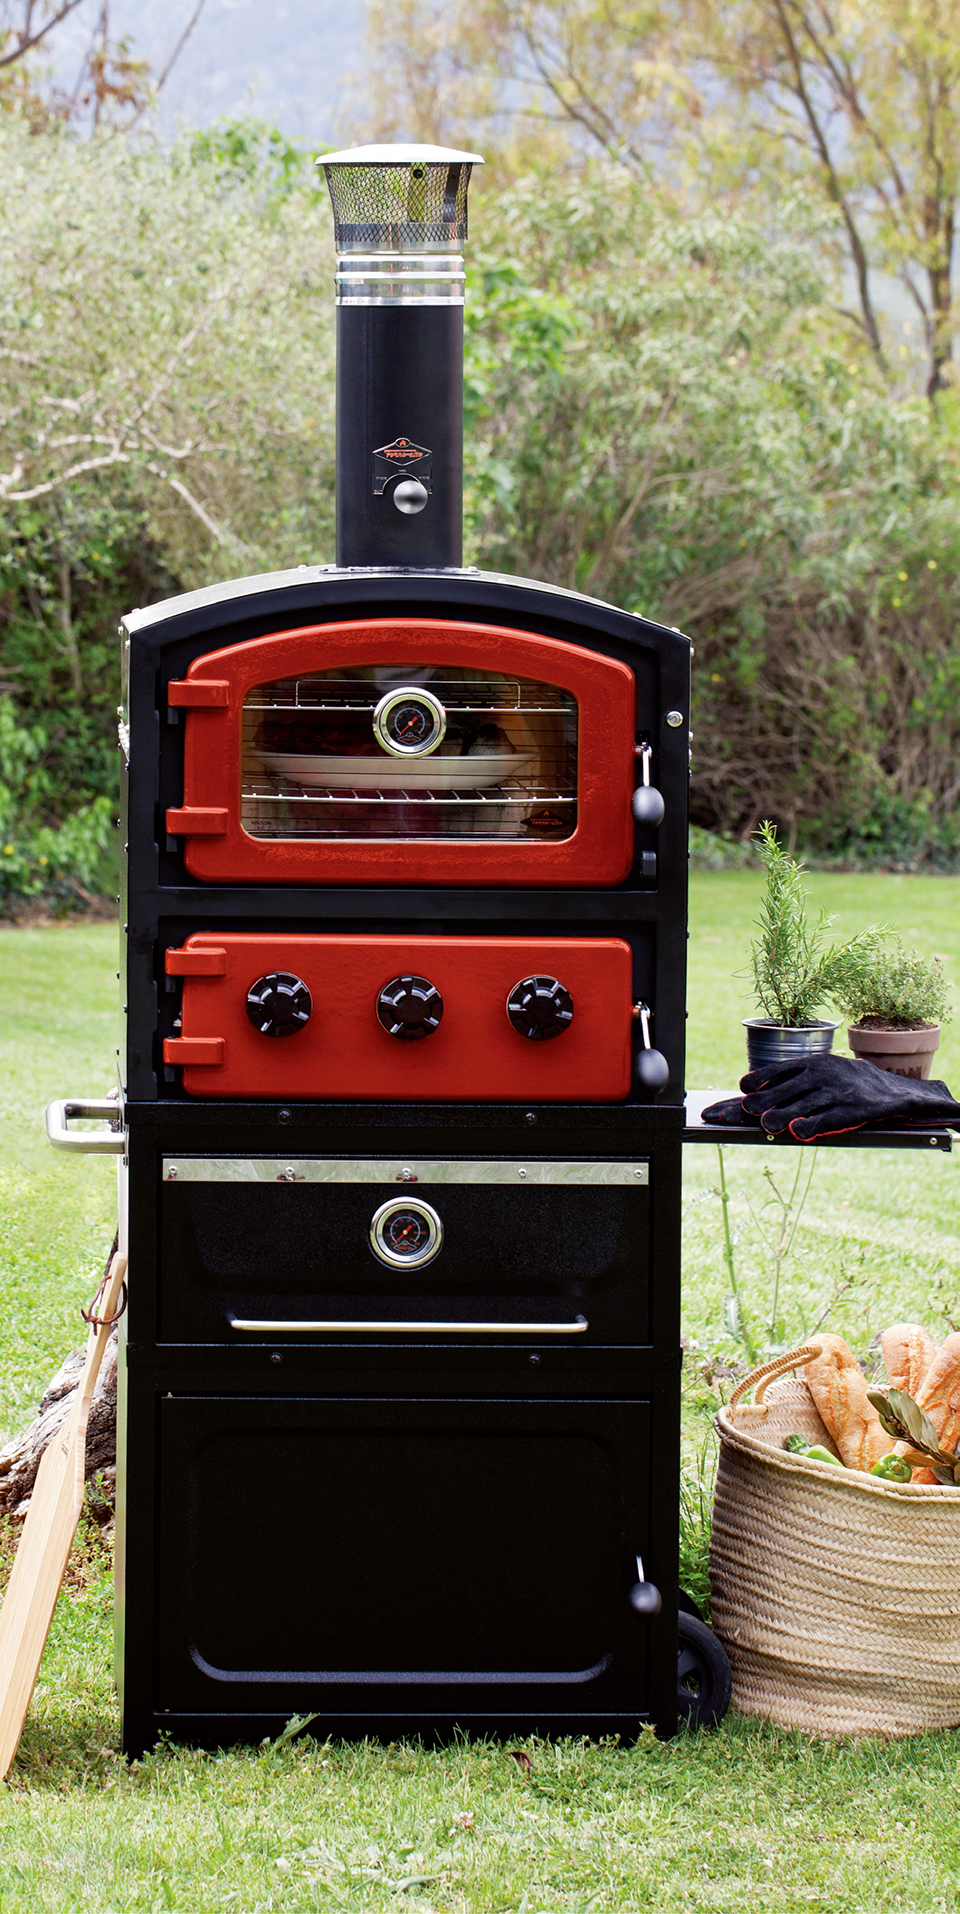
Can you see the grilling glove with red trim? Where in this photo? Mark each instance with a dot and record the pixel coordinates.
(825, 1096)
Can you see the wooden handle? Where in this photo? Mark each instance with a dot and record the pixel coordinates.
(48, 1531)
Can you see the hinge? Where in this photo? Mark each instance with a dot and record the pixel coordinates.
(211, 962)
(197, 820)
(194, 1050)
(199, 694)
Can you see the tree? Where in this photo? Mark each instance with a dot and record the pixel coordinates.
(112, 85)
(166, 319)
(859, 97)
(663, 410)
(865, 94)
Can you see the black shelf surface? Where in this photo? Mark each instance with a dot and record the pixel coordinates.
(696, 1131)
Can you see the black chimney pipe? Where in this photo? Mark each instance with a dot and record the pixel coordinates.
(401, 218)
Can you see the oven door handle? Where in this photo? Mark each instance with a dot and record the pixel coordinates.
(98, 1142)
(255, 1326)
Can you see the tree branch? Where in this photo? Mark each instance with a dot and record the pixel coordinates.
(7, 59)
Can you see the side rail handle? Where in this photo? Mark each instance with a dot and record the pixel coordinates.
(94, 1142)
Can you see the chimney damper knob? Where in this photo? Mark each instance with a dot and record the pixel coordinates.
(410, 1007)
(540, 1007)
(410, 496)
(279, 1004)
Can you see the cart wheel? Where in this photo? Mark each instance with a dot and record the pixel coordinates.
(703, 1674)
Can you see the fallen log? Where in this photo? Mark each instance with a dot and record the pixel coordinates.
(21, 1458)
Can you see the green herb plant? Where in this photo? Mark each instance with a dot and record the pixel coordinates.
(796, 971)
(896, 990)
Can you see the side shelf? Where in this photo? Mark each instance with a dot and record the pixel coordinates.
(869, 1138)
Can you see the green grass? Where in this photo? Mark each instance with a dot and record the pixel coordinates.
(745, 1817)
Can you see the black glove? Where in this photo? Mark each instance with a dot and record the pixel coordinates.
(728, 1110)
(825, 1096)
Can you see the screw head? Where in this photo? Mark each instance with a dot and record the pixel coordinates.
(674, 719)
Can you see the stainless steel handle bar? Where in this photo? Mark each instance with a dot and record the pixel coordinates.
(266, 1328)
(96, 1142)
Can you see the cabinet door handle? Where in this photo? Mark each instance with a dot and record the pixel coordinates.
(255, 1326)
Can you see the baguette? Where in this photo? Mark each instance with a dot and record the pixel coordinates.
(939, 1397)
(908, 1353)
(839, 1390)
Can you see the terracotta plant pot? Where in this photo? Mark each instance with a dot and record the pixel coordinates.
(906, 1053)
(769, 1043)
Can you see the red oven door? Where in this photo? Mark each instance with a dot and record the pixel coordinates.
(404, 1019)
(407, 751)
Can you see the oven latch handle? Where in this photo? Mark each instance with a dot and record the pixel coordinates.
(645, 1597)
(110, 1142)
(647, 802)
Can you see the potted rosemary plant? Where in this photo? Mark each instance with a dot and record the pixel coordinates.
(896, 1004)
(797, 971)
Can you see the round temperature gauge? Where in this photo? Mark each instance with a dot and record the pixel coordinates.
(409, 723)
(406, 1233)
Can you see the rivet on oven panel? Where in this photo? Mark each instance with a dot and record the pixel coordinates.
(283, 1116)
(638, 1172)
(521, 1172)
(534, 1360)
(276, 1356)
(674, 718)
(172, 1173)
(530, 1117)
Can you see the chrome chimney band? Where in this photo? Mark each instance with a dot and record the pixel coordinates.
(400, 279)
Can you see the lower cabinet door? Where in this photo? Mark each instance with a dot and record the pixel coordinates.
(378, 1559)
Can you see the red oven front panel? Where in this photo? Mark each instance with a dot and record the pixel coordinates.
(338, 1044)
(301, 767)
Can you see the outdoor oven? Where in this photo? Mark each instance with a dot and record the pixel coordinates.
(404, 922)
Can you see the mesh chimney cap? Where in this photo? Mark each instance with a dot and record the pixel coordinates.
(389, 198)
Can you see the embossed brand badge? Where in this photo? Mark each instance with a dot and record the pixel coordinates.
(401, 459)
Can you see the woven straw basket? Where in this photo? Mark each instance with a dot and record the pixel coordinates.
(835, 1595)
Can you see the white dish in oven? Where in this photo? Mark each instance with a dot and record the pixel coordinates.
(400, 774)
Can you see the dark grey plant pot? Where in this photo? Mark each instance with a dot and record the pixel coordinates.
(769, 1043)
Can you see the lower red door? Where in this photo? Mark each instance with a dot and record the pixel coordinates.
(478, 1019)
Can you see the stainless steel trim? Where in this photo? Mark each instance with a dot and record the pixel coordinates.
(380, 1245)
(268, 1328)
(396, 278)
(96, 1143)
(406, 1171)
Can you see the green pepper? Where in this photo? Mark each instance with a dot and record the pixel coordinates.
(814, 1451)
(893, 1468)
(817, 1453)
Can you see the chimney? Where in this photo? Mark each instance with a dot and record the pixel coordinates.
(400, 215)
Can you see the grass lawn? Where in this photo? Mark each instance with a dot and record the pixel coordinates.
(746, 1816)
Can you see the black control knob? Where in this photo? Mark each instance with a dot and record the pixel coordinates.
(279, 1005)
(540, 1007)
(410, 1007)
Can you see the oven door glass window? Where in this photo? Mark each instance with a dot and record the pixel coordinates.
(409, 751)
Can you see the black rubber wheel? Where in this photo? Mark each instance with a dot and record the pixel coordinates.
(703, 1674)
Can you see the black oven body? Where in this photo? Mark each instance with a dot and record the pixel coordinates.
(429, 1518)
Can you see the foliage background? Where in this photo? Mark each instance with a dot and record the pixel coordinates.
(682, 392)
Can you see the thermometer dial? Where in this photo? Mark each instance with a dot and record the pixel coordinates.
(406, 1233)
(409, 723)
